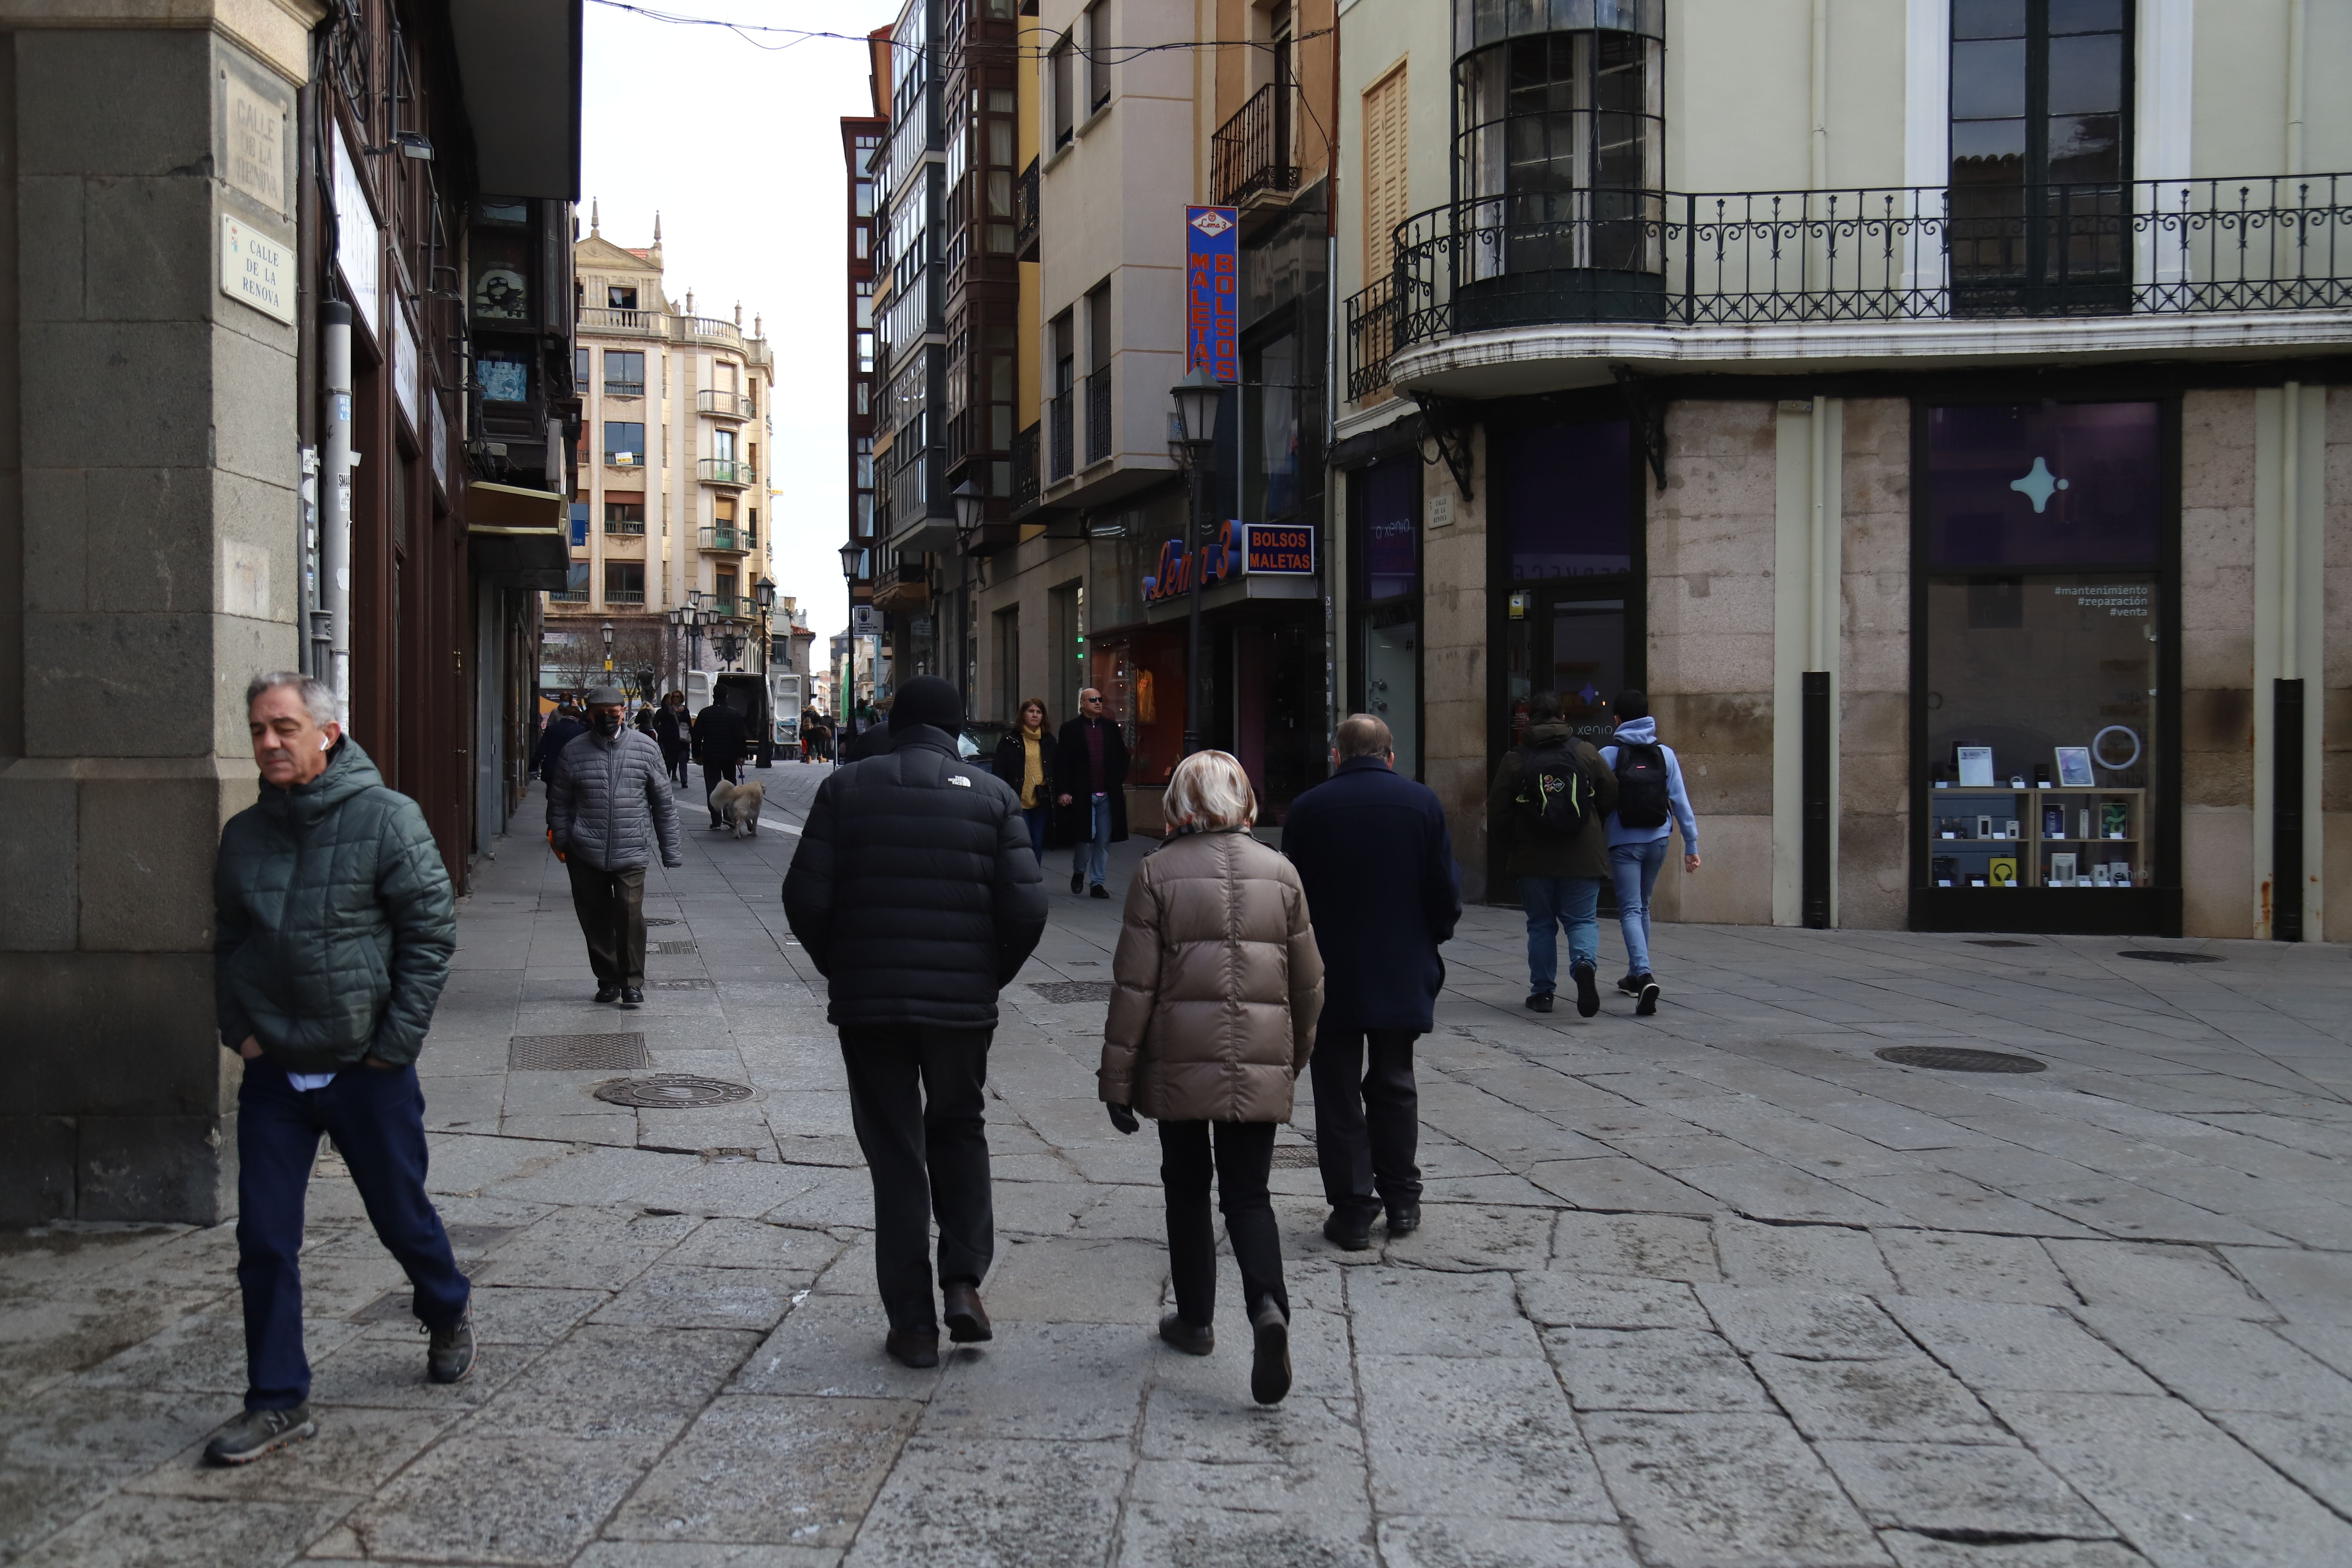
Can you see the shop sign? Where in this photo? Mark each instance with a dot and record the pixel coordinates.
(256, 270)
(1212, 276)
(1258, 549)
(1288, 549)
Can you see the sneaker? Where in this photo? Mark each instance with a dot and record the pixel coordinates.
(1588, 994)
(449, 1352)
(967, 1318)
(1631, 986)
(1348, 1234)
(256, 1432)
(1540, 1003)
(608, 994)
(1270, 1367)
(632, 996)
(1100, 891)
(1186, 1337)
(1648, 1005)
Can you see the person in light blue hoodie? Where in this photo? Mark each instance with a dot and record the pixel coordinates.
(1651, 803)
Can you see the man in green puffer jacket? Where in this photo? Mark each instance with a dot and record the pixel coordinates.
(333, 930)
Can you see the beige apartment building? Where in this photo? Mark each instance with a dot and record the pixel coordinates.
(672, 517)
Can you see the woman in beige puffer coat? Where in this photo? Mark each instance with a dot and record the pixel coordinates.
(1218, 984)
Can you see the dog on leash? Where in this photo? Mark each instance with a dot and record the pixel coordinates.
(738, 805)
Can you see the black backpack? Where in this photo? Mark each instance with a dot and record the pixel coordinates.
(1642, 794)
(1554, 798)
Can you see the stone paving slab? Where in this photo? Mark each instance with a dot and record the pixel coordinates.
(1716, 1287)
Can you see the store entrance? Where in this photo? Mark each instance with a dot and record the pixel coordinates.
(1575, 644)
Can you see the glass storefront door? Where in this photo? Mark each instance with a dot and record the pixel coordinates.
(1561, 641)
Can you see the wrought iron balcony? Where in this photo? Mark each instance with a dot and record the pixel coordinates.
(727, 540)
(1251, 154)
(732, 607)
(1371, 334)
(1025, 213)
(1909, 254)
(1061, 412)
(624, 596)
(737, 472)
(623, 389)
(1098, 415)
(1025, 484)
(723, 405)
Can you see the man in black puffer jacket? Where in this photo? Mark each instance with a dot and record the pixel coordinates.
(915, 893)
(720, 739)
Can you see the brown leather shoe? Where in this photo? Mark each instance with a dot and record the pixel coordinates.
(967, 1318)
(918, 1348)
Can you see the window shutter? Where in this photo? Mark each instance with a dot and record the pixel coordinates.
(1384, 168)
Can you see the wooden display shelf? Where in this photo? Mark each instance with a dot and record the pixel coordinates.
(2029, 847)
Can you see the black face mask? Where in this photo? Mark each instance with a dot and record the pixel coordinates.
(607, 724)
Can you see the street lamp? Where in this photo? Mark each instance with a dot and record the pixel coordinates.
(765, 592)
(853, 556)
(1196, 398)
(972, 511)
(608, 647)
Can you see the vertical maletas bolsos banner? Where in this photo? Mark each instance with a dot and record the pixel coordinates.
(1213, 281)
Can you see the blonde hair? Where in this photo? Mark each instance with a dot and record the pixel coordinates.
(1208, 792)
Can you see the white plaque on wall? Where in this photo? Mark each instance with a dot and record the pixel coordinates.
(256, 270)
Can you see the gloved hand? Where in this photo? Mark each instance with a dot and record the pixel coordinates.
(1123, 1117)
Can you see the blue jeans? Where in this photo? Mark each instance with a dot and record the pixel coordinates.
(1092, 858)
(377, 1120)
(1634, 868)
(1552, 903)
(1038, 817)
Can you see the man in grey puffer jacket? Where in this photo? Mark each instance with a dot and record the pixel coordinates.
(606, 804)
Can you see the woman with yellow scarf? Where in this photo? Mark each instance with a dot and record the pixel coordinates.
(1025, 759)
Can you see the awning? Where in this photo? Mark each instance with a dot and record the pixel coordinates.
(519, 61)
(506, 508)
(518, 536)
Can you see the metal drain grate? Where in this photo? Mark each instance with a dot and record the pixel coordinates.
(1068, 990)
(2157, 955)
(690, 983)
(576, 1053)
(1959, 1058)
(671, 1091)
(651, 920)
(1294, 1157)
(1998, 941)
(669, 947)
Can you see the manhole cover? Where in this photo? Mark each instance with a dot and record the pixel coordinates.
(2157, 955)
(671, 1091)
(669, 947)
(692, 982)
(1293, 1157)
(1957, 1059)
(1998, 941)
(576, 1053)
(1066, 991)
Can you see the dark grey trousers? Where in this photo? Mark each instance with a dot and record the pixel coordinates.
(917, 1099)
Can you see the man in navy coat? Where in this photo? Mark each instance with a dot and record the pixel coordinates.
(1383, 891)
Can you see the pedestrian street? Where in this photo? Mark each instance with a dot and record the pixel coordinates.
(1718, 1287)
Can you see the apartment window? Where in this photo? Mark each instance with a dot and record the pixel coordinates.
(1386, 157)
(580, 367)
(725, 583)
(1061, 65)
(751, 526)
(864, 355)
(865, 307)
(997, 176)
(579, 525)
(2040, 123)
(865, 402)
(575, 585)
(861, 464)
(619, 297)
(722, 445)
(1099, 347)
(1097, 55)
(1062, 345)
(625, 443)
(624, 516)
(1270, 388)
(624, 582)
(625, 373)
(864, 198)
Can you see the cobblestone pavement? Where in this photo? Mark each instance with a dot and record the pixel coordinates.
(1718, 1287)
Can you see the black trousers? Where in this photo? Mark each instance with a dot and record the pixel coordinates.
(1367, 1119)
(711, 774)
(917, 1099)
(674, 762)
(1243, 1154)
(612, 910)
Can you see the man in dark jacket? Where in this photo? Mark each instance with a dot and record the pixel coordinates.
(721, 741)
(334, 926)
(916, 896)
(561, 731)
(1093, 789)
(1560, 875)
(607, 803)
(1372, 849)
(672, 730)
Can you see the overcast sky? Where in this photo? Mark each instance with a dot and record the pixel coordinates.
(738, 147)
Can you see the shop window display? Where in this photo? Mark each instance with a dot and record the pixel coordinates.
(2044, 608)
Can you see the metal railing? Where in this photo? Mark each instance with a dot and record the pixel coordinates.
(623, 389)
(727, 541)
(1060, 411)
(737, 471)
(602, 319)
(711, 327)
(1025, 213)
(1025, 484)
(1917, 253)
(624, 459)
(632, 526)
(624, 596)
(1251, 151)
(732, 606)
(723, 404)
(1098, 415)
(567, 596)
(1371, 336)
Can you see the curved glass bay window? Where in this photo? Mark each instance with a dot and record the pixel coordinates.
(2047, 576)
(1560, 160)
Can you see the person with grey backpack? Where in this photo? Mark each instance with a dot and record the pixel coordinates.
(1651, 803)
(1550, 803)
